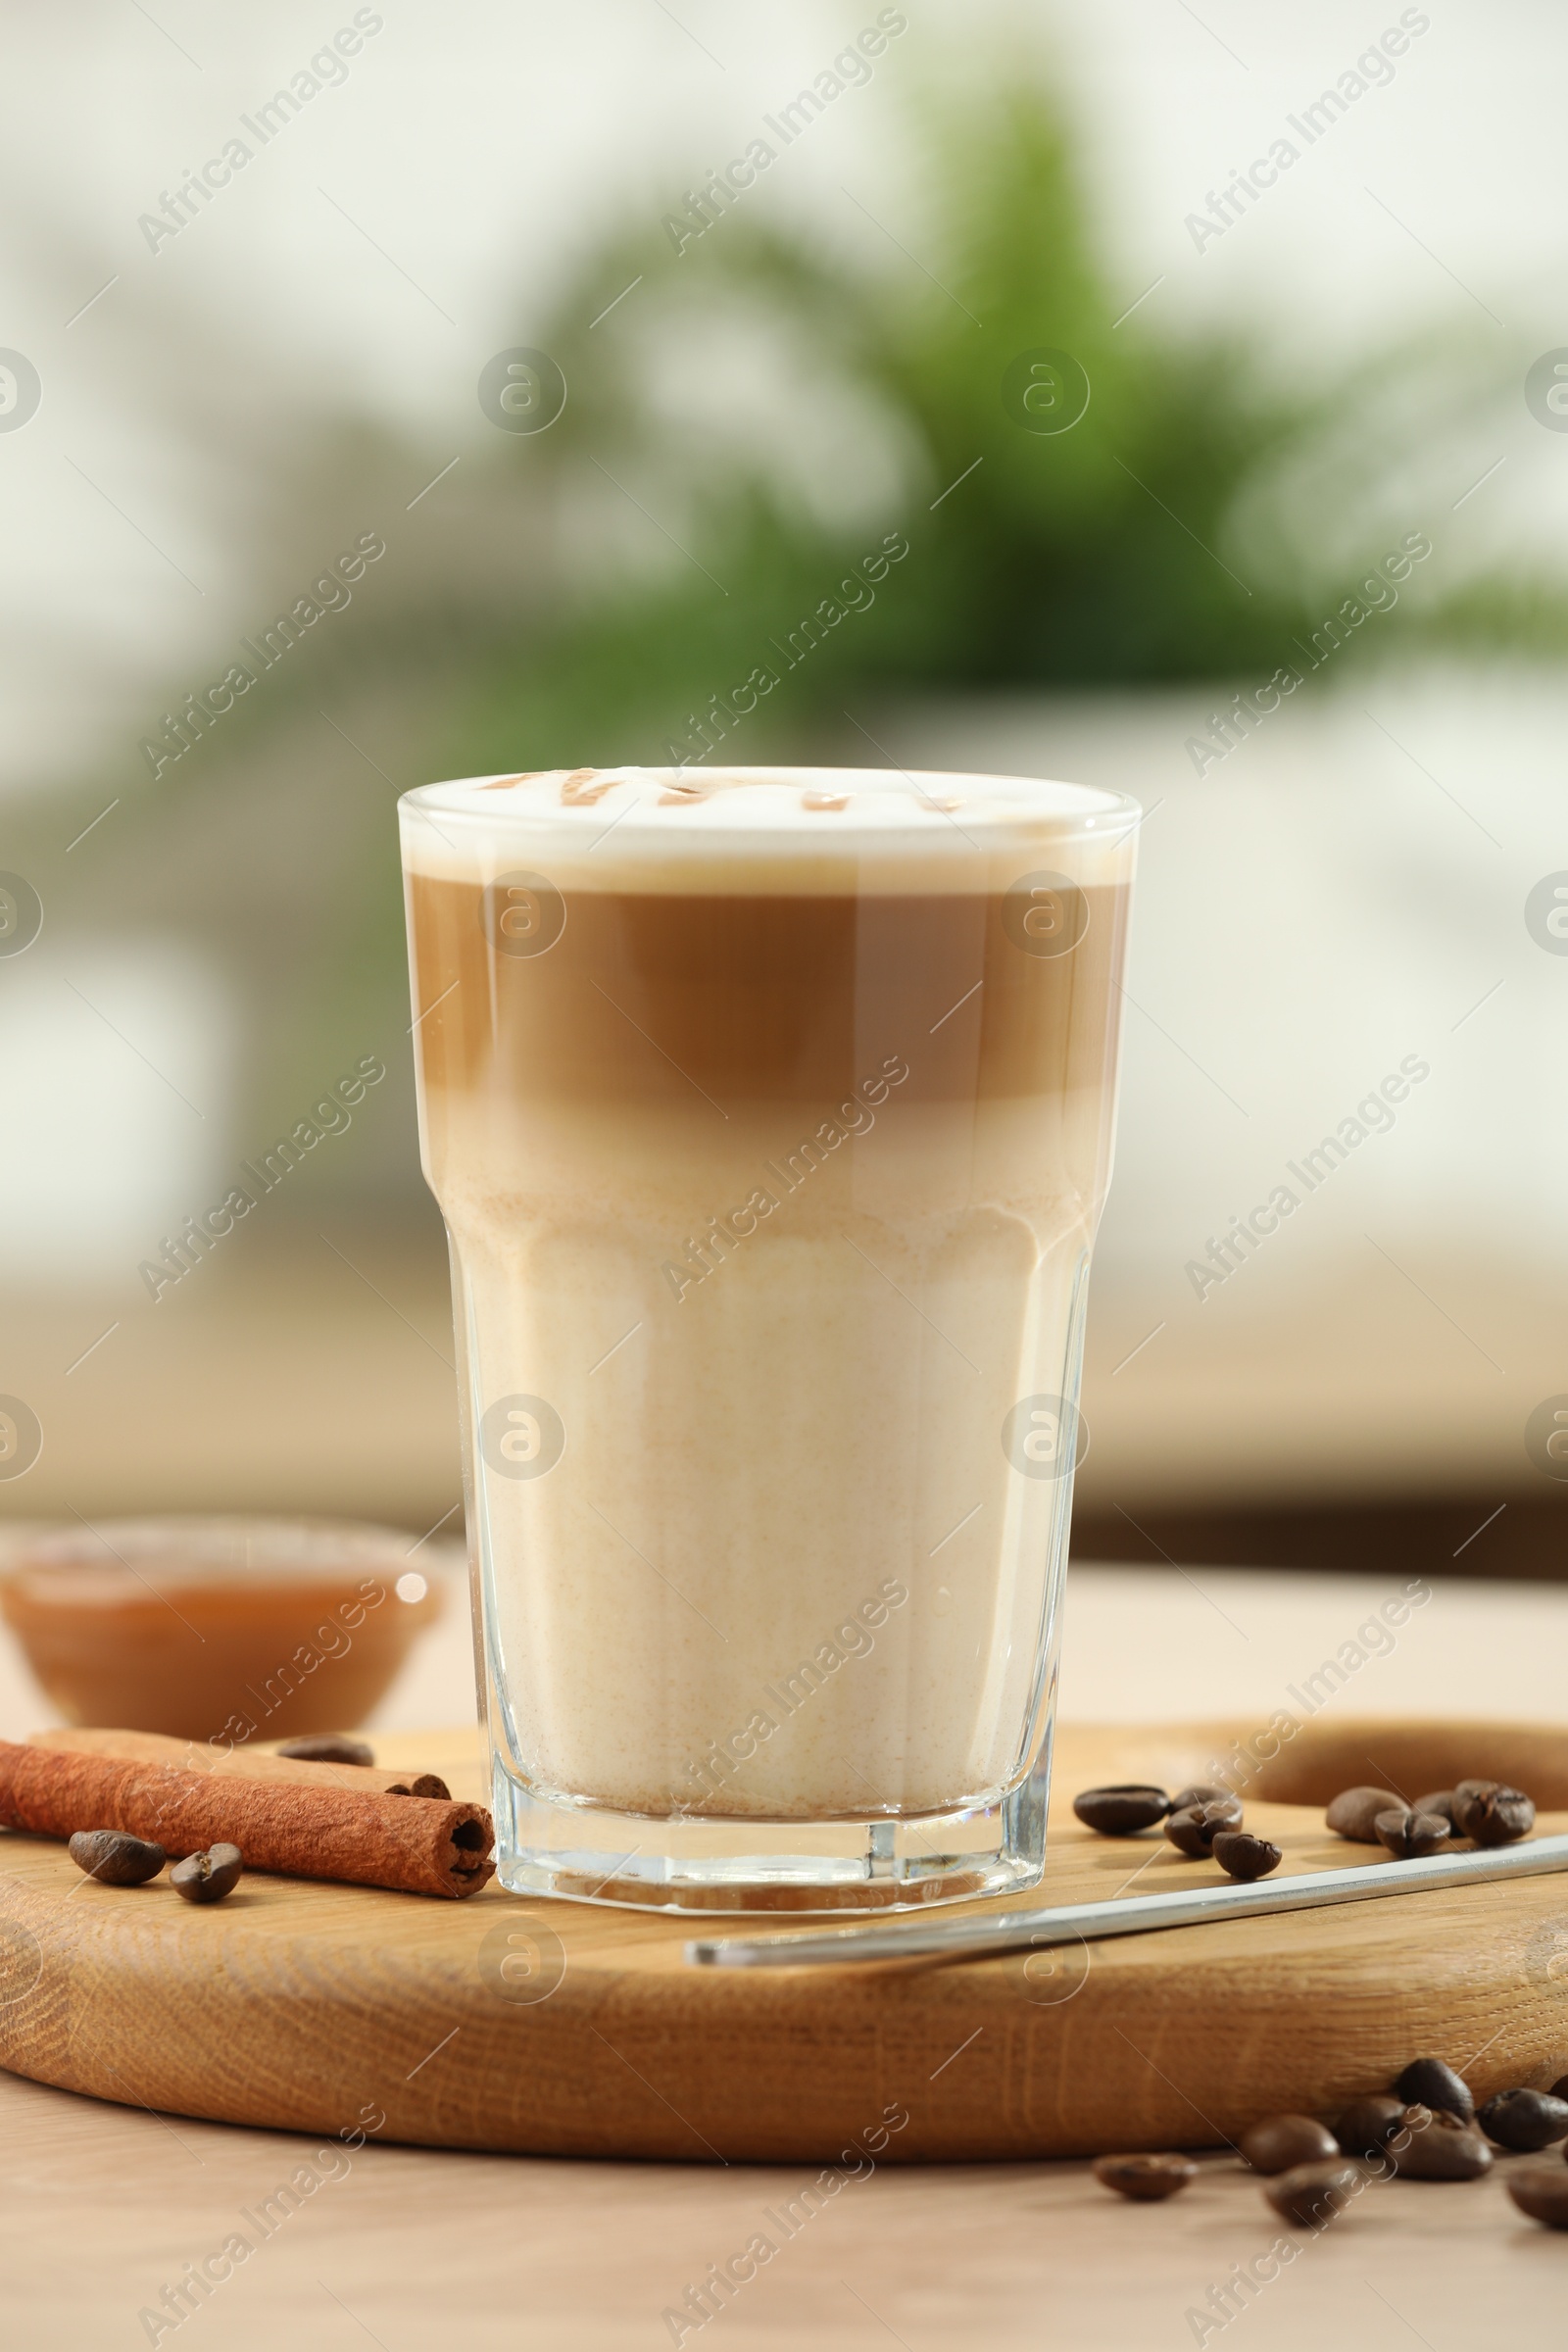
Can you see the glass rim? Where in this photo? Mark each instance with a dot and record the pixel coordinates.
(708, 805)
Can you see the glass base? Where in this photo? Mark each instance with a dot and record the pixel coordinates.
(694, 1863)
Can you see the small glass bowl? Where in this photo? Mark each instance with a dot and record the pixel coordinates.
(218, 1628)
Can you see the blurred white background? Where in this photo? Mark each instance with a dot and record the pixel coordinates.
(482, 151)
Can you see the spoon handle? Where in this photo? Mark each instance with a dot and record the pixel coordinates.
(971, 1937)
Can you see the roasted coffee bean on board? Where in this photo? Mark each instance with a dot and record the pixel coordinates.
(115, 1858)
(1354, 1811)
(1436, 1800)
(1280, 2142)
(1525, 2120)
(1242, 1856)
(208, 1877)
(1491, 1813)
(1122, 1809)
(1436, 2146)
(1194, 1829)
(1408, 1834)
(1429, 2082)
(1145, 2178)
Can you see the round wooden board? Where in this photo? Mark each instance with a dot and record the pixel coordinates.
(311, 2007)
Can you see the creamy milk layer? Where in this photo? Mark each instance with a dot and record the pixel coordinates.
(771, 1122)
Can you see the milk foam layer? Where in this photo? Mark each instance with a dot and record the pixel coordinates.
(753, 1324)
(784, 828)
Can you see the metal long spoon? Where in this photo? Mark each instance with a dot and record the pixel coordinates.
(1132, 1915)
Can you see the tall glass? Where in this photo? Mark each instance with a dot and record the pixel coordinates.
(770, 1115)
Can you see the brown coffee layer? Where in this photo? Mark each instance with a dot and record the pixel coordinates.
(640, 998)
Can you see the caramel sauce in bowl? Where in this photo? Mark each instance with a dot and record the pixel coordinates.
(216, 1629)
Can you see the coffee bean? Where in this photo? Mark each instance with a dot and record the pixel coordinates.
(1281, 2142)
(1436, 2146)
(1542, 2193)
(1355, 1811)
(1436, 1800)
(1409, 1833)
(1559, 2089)
(1367, 2125)
(1506, 1816)
(1491, 1813)
(1525, 2120)
(115, 1858)
(1144, 2179)
(1122, 1809)
(1311, 2194)
(1241, 1855)
(1464, 1795)
(328, 1747)
(1202, 1793)
(1193, 1830)
(207, 1877)
(1428, 2082)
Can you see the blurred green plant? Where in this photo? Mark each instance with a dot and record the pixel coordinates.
(1108, 554)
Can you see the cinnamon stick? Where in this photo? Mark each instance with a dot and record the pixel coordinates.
(247, 1763)
(414, 1844)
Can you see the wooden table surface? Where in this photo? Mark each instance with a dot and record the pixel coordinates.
(104, 2207)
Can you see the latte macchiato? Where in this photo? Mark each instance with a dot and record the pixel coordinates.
(770, 1117)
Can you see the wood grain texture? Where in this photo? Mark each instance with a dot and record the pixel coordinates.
(294, 2005)
(423, 2250)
